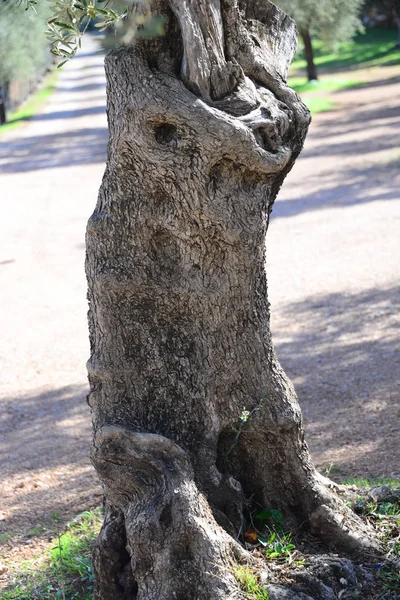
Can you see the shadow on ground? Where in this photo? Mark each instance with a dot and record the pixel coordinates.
(83, 146)
(330, 193)
(374, 180)
(44, 430)
(344, 358)
(44, 458)
(71, 114)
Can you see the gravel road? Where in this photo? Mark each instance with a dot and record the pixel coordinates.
(334, 279)
(50, 171)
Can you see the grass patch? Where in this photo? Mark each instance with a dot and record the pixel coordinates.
(317, 104)
(279, 545)
(325, 84)
(34, 104)
(375, 47)
(65, 571)
(249, 584)
(316, 94)
(384, 517)
(370, 481)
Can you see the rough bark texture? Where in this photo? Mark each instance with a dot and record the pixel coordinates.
(203, 130)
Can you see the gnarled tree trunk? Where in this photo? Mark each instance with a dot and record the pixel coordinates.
(203, 130)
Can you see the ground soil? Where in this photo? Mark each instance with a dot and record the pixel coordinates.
(333, 263)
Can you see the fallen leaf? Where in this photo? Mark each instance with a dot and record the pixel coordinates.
(251, 536)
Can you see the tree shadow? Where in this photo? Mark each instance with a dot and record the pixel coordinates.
(364, 115)
(343, 354)
(386, 81)
(343, 185)
(329, 194)
(47, 429)
(87, 87)
(63, 114)
(44, 458)
(355, 147)
(84, 146)
(71, 114)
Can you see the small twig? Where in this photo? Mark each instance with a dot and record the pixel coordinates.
(243, 419)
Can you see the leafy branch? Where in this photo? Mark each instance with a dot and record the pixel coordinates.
(70, 19)
(28, 4)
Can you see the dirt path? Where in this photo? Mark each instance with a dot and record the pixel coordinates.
(334, 280)
(50, 172)
(333, 259)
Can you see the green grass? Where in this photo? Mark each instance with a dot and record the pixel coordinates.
(325, 84)
(34, 104)
(375, 47)
(371, 481)
(316, 94)
(65, 571)
(249, 584)
(385, 519)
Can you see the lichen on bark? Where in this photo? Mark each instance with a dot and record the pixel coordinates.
(203, 130)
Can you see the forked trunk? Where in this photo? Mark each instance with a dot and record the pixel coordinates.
(193, 417)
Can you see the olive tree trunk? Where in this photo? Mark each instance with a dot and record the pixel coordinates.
(193, 417)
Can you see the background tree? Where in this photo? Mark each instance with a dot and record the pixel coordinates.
(194, 421)
(386, 11)
(24, 47)
(332, 20)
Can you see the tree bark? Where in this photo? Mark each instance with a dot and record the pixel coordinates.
(398, 32)
(203, 130)
(3, 118)
(309, 54)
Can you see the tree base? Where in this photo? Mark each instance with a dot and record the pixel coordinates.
(160, 540)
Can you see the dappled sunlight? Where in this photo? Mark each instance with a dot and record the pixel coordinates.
(348, 453)
(33, 499)
(351, 156)
(344, 357)
(50, 170)
(70, 425)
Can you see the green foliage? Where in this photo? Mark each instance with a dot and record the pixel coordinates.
(385, 518)
(33, 105)
(267, 529)
(279, 545)
(271, 517)
(70, 19)
(390, 577)
(65, 572)
(371, 481)
(24, 50)
(249, 584)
